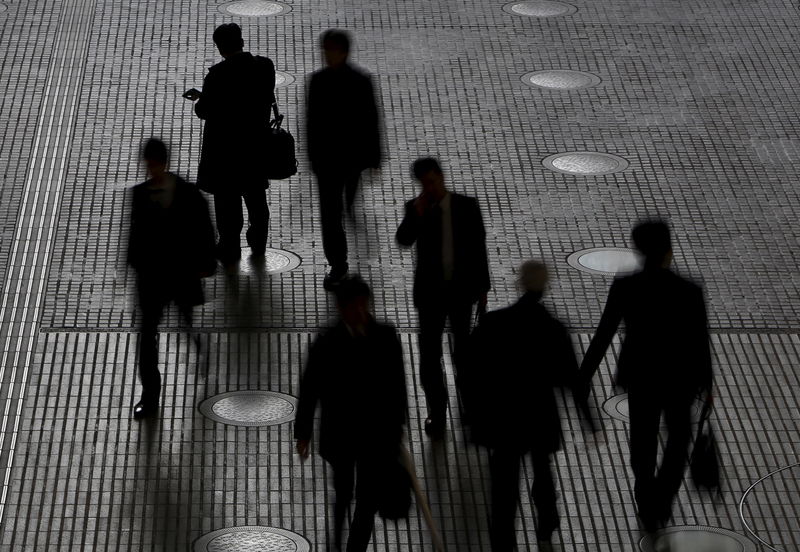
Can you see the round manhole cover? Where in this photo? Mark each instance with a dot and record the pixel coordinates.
(3, 8)
(585, 163)
(283, 79)
(696, 538)
(251, 538)
(617, 408)
(561, 79)
(540, 8)
(250, 408)
(777, 493)
(254, 8)
(606, 261)
(275, 261)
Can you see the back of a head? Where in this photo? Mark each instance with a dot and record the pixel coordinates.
(533, 276)
(335, 39)
(425, 165)
(156, 151)
(350, 289)
(228, 37)
(652, 239)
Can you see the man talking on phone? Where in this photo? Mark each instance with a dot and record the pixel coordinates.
(235, 103)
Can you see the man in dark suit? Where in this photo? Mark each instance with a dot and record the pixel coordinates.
(452, 275)
(235, 103)
(355, 373)
(517, 355)
(171, 247)
(343, 133)
(664, 361)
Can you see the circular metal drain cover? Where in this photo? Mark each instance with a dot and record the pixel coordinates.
(283, 79)
(250, 408)
(778, 493)
(254, 8)
(696, 538)
(251, 538)
(276, 261)
(540, 8)
(588, 163)
(561, 79)
(606, 261)
(617, 408)
(3, 8)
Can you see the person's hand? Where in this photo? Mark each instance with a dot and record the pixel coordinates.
(483, 300)
(192, 94)
(422, 203)
(303, 448)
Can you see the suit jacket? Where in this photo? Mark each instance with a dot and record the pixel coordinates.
(470, 262)
(666, 348)
(517, 356)
(169, 248)
(343, 124)
(360, 386)
(237, 96)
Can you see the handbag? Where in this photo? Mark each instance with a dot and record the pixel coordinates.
(395, 500)
(281, 162)
(704, 464)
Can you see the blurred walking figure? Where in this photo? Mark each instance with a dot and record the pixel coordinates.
(452, 274)
(171, 247)
(235, 103)
(355, 373)
(517, 355)
(343, 133)
(664, 361)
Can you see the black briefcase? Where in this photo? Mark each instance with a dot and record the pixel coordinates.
(394, 501)
(704, 464)
(280, 156)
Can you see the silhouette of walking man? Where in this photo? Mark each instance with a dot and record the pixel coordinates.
(452, 275)
(343, 133)
(171, 247)
(235, 103)
(355, 373)
(517, 355)
(664, 361)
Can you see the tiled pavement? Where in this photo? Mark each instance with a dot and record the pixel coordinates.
(700, 98)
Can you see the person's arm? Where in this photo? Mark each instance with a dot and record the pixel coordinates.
(308, 396)
(482, 268)
(609, 322)
(372, 124)
(312, 121)
(205, 105)
(703, 347)
(399, 396)
(270, 70)
(206, 246)
(409, 229)
(134, 240)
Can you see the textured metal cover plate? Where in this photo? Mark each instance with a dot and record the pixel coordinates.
(251, 538)
(617, 408)
(283, 79)
(560, 79)
(606, 261)
(696, 538)
(277, 260)
(585, 163)
(778, 492)
(540, 8)
(250, 408)
(254, 8)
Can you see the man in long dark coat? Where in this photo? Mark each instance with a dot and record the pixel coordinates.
(517, 355)
(355, 373)
(664, 362)
(235, 104)
(171, 247)
(452, 275)
(343, 133)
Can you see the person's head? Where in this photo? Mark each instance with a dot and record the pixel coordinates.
(652, 239)
(429, 173)
(228, 38)
(155, 157)
(335, 45)
(533, 277)
(353, 300)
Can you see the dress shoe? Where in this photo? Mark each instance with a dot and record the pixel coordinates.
(335, 276)
(434, 428)
(144, 410)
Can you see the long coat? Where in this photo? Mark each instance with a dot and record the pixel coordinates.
(517, 356)
(170, 248)
(666, 349)
(470, 261)
(235, 103)
(360, 386)
(343, 123)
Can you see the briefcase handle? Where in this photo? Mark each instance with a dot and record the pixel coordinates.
(276, 122)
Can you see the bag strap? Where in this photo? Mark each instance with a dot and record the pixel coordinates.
(276, 122)
(704, 415)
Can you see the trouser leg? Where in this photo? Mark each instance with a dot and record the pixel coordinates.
(673, 464)
(367, 481)
(460, 314)
(258, 216)
(431, 326)
(350, 189)
(504, 471)
(544, 496)
(343, 481)
(334, 243)
(645, 415)
(230, 220)
(149, 375)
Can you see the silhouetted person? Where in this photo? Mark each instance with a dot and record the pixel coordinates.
(343, 139)
(664, 361)
(517, 355)
(452, 274)
(235, 103)
(355, 373)
(171, 247)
